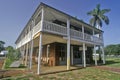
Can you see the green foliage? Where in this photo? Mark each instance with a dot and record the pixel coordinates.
(10, 49)
(98, 16)
(8, 63)
(22, 66)
(112, 49)
(11, 56)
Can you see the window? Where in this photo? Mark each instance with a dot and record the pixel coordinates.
(76, 52)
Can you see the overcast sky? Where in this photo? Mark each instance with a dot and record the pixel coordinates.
(14, 15)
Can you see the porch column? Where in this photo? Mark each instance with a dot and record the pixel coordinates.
(40, 54)
(95, 57)
(31, 48)
(68, 44)
(40, 42)
(103, 54)
(83, 31)
(31, 52)
(72, 55)
(26, 59)
(84, 56)
(93, 34)
(48, 46)
(23, 53)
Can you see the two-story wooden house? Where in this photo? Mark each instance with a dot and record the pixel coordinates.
(55, 38)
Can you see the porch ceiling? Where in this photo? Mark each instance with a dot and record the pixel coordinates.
(50, 38)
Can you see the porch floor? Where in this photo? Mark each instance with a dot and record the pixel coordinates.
(55, 69)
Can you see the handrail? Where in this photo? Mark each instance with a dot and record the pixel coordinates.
(54, 28)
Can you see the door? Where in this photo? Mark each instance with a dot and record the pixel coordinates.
(77, 55)
(62, 54)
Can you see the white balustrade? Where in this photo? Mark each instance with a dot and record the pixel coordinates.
(88, 37)
(54, 28)
(59, 30)
(97, 40)
(36, 28)
(76, 34)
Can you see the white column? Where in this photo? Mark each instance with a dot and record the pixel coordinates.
(48, 46)
(68, 44)
(40, 54)
(83, 32)
(42, 19)
(31, 48)
(23, 54)
(31, 52)
(95, 57)
(84, 56)
(93, 34)
(72, 55)
(26, 59)
(40, 42)
(103, 54)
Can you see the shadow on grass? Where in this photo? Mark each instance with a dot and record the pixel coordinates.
(111, 62)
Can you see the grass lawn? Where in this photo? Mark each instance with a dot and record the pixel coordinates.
(89, 73)
(113, 62)
(81, 74)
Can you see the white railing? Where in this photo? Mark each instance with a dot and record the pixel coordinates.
(59, 30)
(97, 40)
(54, 28)
(62, 30)
(76, 34)
(88, 37)
(36, 28)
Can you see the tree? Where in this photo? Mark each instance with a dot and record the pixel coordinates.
(10, 49)
(2, 45)
(12, 56)
(112, 49)
(98, 16)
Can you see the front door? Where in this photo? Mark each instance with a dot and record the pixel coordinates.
(77, 55)
(62, 54)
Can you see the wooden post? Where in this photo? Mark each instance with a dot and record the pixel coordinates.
(72, 55)
(26, 59)
(31, 48)
(84, 56)
(95, 57)
(83, 32)
(48, 46)
(68, 44)
(40, 42)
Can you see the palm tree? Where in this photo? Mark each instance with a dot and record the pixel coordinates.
(98, 16)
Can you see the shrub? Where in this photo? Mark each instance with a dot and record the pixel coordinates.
(12, 56)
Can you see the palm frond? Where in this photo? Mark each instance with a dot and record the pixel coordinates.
(106, 20)
(90, 13)
(98, 16)
(98, 6)
(97, 9)
(99, 22)
(105, 11)
(93, 21)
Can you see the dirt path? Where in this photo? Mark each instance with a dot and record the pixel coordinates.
(117, 70)
(9, 73)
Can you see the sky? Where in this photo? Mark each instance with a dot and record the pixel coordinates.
(14, 15)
